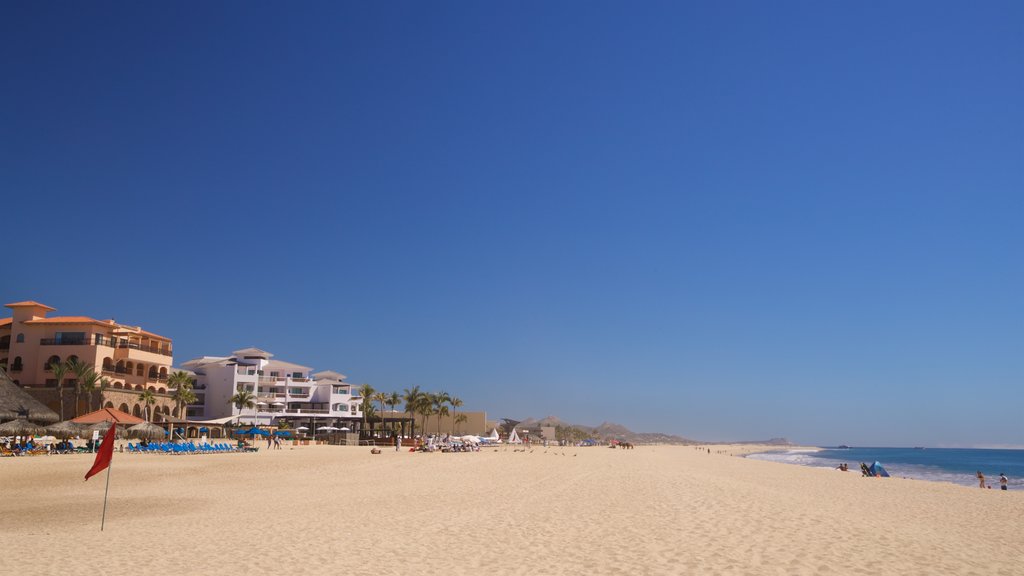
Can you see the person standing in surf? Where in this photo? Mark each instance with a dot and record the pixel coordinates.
(981, 479)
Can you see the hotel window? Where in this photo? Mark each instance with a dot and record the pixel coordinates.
(69, 338)
(352, 408)
(20, 338)
(274, 374)
(296, 374)
(295, 391)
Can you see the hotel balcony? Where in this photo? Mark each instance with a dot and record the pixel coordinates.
(122, 348)
(311, 411)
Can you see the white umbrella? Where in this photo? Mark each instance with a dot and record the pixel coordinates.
(277, 404)
(322, 428)
(261, 403)
(345, 429)
(302, 428)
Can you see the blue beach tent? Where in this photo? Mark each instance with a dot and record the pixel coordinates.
(878, 470)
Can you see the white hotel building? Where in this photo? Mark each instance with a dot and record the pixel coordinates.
(283, 391)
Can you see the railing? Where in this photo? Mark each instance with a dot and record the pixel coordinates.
(99, 340)
(64, 342)
(120, 372)
(144, 348)
(306, 411)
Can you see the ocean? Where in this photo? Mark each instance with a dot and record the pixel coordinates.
(956, 465)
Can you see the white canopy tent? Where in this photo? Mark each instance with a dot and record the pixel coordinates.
(513, 438)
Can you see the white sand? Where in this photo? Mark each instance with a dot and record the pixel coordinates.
(323, 510)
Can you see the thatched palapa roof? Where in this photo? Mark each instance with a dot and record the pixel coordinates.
(68, 428)
(16, 403)
(147, 431)
(21, 427)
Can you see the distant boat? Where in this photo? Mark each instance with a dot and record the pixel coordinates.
(844, 447)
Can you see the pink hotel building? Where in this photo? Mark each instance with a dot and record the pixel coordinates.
(130, 358)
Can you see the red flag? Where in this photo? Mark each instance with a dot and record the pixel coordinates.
(105, 453)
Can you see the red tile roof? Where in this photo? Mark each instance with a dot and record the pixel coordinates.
(26, 304)
(66, 320)
(6, 321)
(108, 415)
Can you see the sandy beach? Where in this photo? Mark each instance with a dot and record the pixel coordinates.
(652, 510)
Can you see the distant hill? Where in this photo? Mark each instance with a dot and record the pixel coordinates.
(608, 431)
(612, 431)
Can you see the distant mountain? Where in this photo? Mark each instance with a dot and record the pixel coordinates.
(613, 431)
(608, 431)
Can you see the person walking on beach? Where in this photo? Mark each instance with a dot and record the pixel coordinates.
(398, 443)
(981, 479)
(1002, 481)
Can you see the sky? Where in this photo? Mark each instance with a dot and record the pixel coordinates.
(725, 220)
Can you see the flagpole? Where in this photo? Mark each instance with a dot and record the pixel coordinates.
(103, 520)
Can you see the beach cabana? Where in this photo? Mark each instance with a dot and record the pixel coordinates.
(103, 428)
(15, 403)
(108, 415)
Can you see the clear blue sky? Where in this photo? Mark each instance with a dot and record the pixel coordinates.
(726, 220)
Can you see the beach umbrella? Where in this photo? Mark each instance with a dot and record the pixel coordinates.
(345, 429)
(146, 431)
(67, 429)
(102, 428)
(15, 403)
(21, 427)
(302, 428)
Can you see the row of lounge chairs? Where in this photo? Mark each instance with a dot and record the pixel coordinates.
(184, 448)
(34, 451)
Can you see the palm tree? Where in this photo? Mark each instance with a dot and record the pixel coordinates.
(81, 370)
(459, 419)
(456, 402)
(381, 398)
(412, 400)
(181, 382)
(87, 384)
(439, 407)
(393, 399)
(148, 398)
(365, 392)
(425, 408)
(243, 399)
(59, 371)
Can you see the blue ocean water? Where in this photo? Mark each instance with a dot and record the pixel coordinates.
(957, 465)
